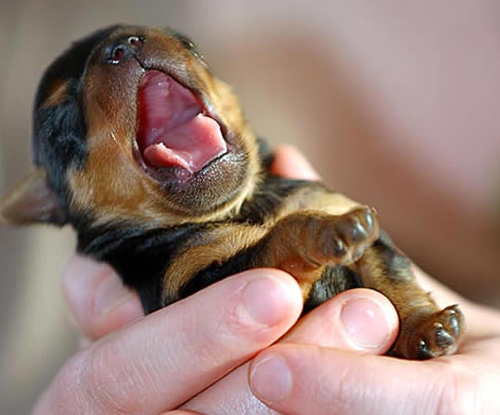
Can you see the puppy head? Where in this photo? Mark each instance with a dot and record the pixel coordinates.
(131, 126)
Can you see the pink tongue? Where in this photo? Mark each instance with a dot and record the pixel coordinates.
(173, 132)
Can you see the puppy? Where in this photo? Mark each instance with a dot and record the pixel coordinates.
(149, 157)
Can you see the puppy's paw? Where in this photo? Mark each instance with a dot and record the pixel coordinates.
(348, 235)
(309, 240)
(434, 335)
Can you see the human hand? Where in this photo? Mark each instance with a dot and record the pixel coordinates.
(162, 360)
(312, 379)
(346, 322)
(325, 379)
(126, 365)
(104, 305)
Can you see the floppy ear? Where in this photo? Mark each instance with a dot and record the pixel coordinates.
(32, 201)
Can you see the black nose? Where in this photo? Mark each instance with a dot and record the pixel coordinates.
(122, 49)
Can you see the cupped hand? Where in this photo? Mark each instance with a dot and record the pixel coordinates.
(314, 379)
(328, 363)
(131, 364)
(162, 360)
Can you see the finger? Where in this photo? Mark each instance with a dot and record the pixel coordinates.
(231, 395)
(289, 162)
(360, 320)
(307, 379)
(171, 355)
(97, 299)
(181, 413)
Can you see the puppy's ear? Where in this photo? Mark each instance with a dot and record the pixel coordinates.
(32, 201)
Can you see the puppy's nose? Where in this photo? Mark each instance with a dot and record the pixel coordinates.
(122, 49)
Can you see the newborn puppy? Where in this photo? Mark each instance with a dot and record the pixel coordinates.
(148, 156)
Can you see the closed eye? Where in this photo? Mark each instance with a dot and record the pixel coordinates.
(186, 41)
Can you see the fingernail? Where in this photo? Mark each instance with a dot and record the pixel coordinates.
(110, 294)
(271, 379)
(365, 322)
(266, 300)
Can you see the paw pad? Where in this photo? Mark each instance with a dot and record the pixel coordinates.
(438, 334)
(353, 232)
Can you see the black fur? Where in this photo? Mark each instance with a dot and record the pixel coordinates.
(393, 259)
(139, 256)
(334, 280)
(269, 197)
(142, 255)
(59, 133)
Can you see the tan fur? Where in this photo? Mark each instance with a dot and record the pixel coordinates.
(291, 245)
(318, 199)
(111, 134)
(216, 246)
(57, 94)
(311, 230)
(402, 289)
(411, 301)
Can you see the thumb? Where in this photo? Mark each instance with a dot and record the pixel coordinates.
(361, 320)
(306, 379)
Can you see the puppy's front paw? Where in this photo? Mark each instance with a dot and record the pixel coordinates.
(350, 234)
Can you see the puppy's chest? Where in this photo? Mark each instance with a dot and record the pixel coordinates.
(279, 197)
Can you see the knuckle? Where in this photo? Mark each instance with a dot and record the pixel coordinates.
(206, 342)
(337, 396)
(106, 383)
(209, 338)
(236, 325)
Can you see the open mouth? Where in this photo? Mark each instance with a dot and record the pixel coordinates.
(174, 130)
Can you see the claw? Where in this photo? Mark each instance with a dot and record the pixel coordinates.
(423, 352)
(443, 338)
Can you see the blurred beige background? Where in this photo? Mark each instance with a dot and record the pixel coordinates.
(396, 103)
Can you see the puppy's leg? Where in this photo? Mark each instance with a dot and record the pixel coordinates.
(426, 331)
(303, 243)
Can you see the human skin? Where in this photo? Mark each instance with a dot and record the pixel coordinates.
(329, 362)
